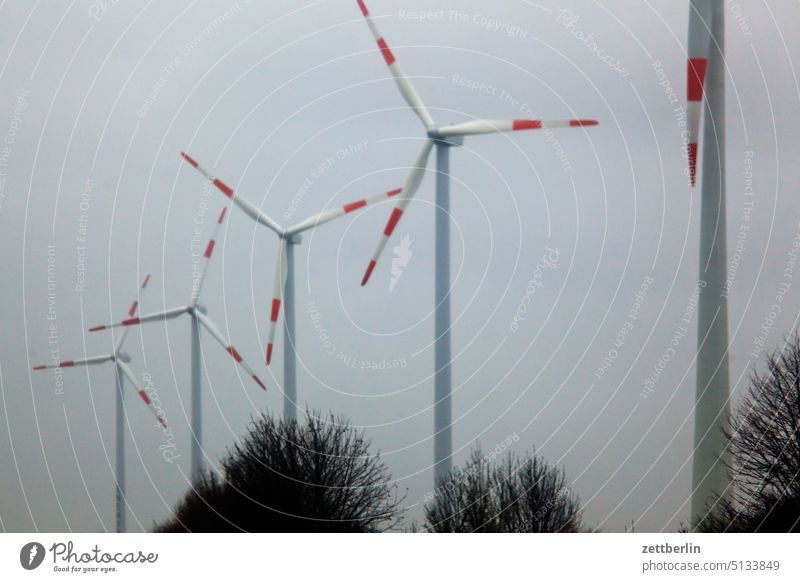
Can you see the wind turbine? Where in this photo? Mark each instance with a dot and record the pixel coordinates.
(284, 277)
(706, 90)
(443, 137)
(120, 360)
(197, 319)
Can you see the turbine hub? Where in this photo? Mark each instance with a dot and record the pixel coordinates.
(197, 307)
(451, 140)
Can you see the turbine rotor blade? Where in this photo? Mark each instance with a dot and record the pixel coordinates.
(128, 373)
(698, 48)
(482, 126)
(410, 188)
(249, 209)
(206, 322)
(198, 285)
(333, 213)
(160, 316)
(131, 312)
(72, 363)
(401, 79)
(277, 298)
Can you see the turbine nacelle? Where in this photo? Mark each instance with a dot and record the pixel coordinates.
(435, 134)
(292, 238)
(196, 308)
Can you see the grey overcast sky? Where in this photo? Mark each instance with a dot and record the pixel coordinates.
(291, 103)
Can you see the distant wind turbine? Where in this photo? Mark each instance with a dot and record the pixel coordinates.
(283, 292)
(120, 360)
(198, 319)
(443, 137)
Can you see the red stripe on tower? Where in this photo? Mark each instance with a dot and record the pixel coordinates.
(363, 7)
(526, 124)
(386, 52)
(354, 206)
(695, 78)
(269, 353)
(276, 308)
(393, 220)
(227, 190)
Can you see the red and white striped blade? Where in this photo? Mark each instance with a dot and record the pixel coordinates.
(277, 298)
(698, 48)
(250, 209)
(401, 79)
(128, 373)
(481, 126)
(198, 283)
(72, 363)
(131, 312)
(332, 213)
(160, 316)
(206, 322)
(410, 188)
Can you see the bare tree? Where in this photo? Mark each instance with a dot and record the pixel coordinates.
(286, 477)
(764, 436)
(515, 495)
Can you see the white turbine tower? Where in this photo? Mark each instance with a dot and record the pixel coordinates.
(120, 360)
(706, 90)
(443, 137)
(283, 292)
(197, 319)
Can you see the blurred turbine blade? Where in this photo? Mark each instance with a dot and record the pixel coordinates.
(128, 373)
(131, 312)
(277, 297)
(206, 322)
(481, 126)
(403, 82)
(250, 209)
(333, 213)
(72, 363)
(160, 316)
(198, 286)
(410, 188)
